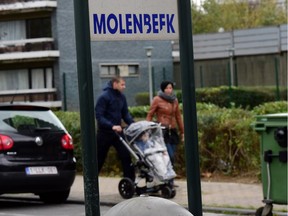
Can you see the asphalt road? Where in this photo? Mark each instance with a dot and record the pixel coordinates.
(33, 207)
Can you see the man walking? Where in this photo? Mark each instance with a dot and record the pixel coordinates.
(111, 107)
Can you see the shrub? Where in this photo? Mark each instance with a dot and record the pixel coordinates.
(271, 107)
(139, 111)
(71, 121)
(224, 96)
(245, 97)
(227, 141)
(142, 99)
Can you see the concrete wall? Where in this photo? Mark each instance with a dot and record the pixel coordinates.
(132, 52)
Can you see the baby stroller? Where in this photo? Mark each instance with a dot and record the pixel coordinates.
(145, 142)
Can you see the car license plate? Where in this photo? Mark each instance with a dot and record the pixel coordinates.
(41, 170)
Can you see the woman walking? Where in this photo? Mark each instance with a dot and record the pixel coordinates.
(166, 108)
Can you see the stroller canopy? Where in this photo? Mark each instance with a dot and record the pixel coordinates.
(148, 141)
(137, 128)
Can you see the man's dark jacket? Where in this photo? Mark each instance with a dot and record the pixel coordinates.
(110, 108)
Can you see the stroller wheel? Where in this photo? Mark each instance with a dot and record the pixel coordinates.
(141, 190)
(166, 192)
(126, 188)
(173, 193)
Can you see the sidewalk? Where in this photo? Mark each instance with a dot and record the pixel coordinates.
(216, 196)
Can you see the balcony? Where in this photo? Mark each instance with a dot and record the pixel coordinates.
(29, 61)
(20, 9)
(41, 97)
(33, 51)
(29, 53)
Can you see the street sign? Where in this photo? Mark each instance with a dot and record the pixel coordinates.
(112, 20)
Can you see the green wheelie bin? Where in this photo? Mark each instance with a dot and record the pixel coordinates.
(272, 129)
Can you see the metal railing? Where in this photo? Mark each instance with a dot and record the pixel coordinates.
(26, 45)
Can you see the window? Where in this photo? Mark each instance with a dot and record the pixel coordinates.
(26, 79)
(12, 30)
(109, 70)
(37, 28)
(14, 80)
(19, 29)
(124, 70)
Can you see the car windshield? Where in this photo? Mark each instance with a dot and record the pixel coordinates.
(29, 120)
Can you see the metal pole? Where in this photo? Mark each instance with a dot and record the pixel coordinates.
(153, 81)
(235, 74)
(231, 71)
(149, 54)
(231, 54)
(230, 85)
(277, 80)
(64, 93)
(150, 80)
(201, 77)
(189, 108)
(85, 87)
(164, 73)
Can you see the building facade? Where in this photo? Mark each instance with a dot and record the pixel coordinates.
(38, 58)
(26, 75)
(27, 52)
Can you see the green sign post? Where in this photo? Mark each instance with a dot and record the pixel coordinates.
(189, 108)
(85, 85)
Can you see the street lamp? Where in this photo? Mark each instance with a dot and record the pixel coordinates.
(149, 54)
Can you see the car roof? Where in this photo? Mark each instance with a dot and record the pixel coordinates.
(22, 107)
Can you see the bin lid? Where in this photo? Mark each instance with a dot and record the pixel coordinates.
(270, 120)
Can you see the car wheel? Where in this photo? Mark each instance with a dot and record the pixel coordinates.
(54, 197)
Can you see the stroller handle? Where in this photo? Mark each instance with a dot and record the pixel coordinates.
(127, 146)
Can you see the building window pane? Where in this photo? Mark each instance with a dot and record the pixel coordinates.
(37, 78)
(12, 30)
(49, 78)
(37, 28)
(108, 70)
(14, 80)
(133, 70)
(123, 70)
(104, 71)
(113, 70)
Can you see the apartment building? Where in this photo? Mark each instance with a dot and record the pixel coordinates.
(38, 56)
(28, 52)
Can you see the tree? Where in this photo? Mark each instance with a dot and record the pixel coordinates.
(235, 14)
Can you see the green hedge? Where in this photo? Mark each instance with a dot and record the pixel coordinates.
(71, 121)
(227, 142)
(244, 97)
